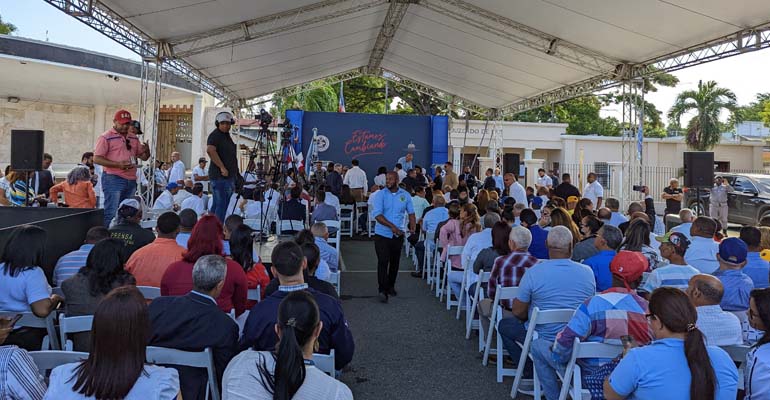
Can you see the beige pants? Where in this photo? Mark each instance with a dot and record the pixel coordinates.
(358, 194)
(485, 310)
(719, 212)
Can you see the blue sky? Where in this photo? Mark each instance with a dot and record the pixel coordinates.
(746, 74)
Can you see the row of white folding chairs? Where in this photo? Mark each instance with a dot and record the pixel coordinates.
(30, 320)
(347, 219)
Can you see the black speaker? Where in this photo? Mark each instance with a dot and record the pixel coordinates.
(27, 150)
(699, 168)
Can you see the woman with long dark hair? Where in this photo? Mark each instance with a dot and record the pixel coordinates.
(206, 239)
(677, 364)
(115, 367)
(23, 285)
(589, 227)
(289, 372)
(757, 366)
(638, 239)
(242, 251)
(486, 258)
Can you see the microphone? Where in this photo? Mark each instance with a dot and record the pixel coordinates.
(315, 131)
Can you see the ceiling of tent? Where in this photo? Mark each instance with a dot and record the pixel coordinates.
(491, 52)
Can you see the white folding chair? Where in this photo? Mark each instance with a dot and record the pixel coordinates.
(435, 266)
(444, 281)
(471, 323)
(347, 219)
(288, 225)
(361, 209)
(581, 350)
(150, 223)
(195, 359)
(738, 354)
(30, 320)
(254, 223)
(149, 292)
(496, 314)
(69, 325)
(47, 360)
(336, 238)
(334, 279)
(254, 294)
(427, 262)
(372, 222)
(467, 273)
(536, 318)
(325, 362)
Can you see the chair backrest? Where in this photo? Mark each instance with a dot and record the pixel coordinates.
(540, 317)
(334, 279)
(332, 224)
(737, 352)
(196, 359)
(254, 294)
(253, 223)
(290, 225)
(149, 223)
(346, 207)
(49, 359)
(30, 320)
(484, 278)
(325, 362)
(455, 250)
(149, 292)
(73, 325)
(595, 350)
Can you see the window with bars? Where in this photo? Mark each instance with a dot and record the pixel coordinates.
(602, 171)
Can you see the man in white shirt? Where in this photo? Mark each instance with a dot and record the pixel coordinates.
(616, 217)
(195, 200)
(593, 191)
(177, 169)
(721, 328)
(514, 189)
(166, 199)
(184, 192)
(543, 180)
(200, 174)
(702, 253)
(355, 178)
(331, 199)
(685, 215)
(400, 171)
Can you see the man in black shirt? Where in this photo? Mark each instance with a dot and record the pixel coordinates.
(313, 256)
(293, 209)
(489, 181)
(673, 196)
(410, 181)
(470, 180)
(565, 188)
(128, 229)
(333, 180)
(224, 163)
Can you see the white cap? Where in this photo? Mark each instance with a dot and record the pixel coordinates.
(130, 203)
(224, 117)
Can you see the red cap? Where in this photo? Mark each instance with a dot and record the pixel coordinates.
(629, 265)
(122, 117)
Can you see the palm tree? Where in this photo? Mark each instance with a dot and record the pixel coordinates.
(320, 99)
(703, 131)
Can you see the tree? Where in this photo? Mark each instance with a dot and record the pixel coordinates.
(752, 111)
(764, 115)
(703, 131)
(6, 28)
(322, 99)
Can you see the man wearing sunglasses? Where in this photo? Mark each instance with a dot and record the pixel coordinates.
(117, 150)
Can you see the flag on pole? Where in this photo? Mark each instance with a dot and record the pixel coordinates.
(342, 100)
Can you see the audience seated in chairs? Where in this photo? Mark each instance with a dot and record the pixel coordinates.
(149, 263)
(232, 222)
(589, 225)
(195, 201)
(719, 327)
(166, 199)
(757, 366)
(476, 244)
(102, 273)
(328, 253)
(607, 241)
(242, 252)
(206, 239)
(756, 268)
(70, 263)
(677, 364)
(192, 322)
(703, 249)
(187, 220)
(537, 248)
(127, 226)
(259, 331)
(430, 222)
(556, 283)
(116, 368)
(674, 246)
(313, 256)
(254, 208)
(306, 236)
(293, 209)
(20, 378)
(288, 371)
(604, 318)
(737, 285)
(78, 189)
(23, 285)
(500, 247)
(322, 210)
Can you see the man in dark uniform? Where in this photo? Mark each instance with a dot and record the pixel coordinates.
(224, 163)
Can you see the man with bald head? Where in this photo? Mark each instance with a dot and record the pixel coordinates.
(177, 172)
(702, 253)
(720, 327)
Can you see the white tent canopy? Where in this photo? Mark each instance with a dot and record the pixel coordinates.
(490, 53)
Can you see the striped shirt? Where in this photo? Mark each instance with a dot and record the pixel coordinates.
(508, 271)
(672, 275)
(21, 379)
(70, 263)
(604, 318)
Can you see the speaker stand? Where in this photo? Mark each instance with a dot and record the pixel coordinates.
(701, 211)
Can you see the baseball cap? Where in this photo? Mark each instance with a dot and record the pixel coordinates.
(172, 185)
(202, 159)
(733, 250)
(122, 117)
(537, 202)
(572, 199)
(677, 239)
(133, 203)
(138, 125)
(224, 117)
(629, 265)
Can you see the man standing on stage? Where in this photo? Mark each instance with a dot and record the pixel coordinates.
(390, 206)
(116, 150)
(450, 177)
(406, 161)
(356, 179)
(177, 173)
(224, 163)
(718, 201)
(470, 180)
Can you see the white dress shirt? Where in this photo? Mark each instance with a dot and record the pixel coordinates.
(181, 196)
(164, 202)
(702, 254)
(333, 201)
(544, 180)
(593, 191)
(356, 179)
(721, 328)
(518, 193)
(177, 172)
(198, 171)
(379, 180)
(195, 203)
(476, 242)
(401, 175)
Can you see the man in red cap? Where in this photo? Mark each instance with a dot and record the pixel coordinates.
(605, 318)
(117, 150)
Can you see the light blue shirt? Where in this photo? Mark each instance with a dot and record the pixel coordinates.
(394, 207)
(323, 272)
(420, 204)
(757, 269)
(659, 371)
(18, 292)
(156, 383)
(405, 165)
(70, 263)
(432, 218)
(553, 284)
(499, 183)
(328, 254)
(183, 237)
(683, 229)
(617, 218)
(702, 254)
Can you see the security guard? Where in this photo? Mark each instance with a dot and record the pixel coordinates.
(718, 201)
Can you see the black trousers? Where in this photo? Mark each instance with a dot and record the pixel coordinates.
(388, 257)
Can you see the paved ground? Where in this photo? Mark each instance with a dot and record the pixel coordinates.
(410, 348)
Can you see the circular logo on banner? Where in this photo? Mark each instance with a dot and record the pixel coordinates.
(322, 142)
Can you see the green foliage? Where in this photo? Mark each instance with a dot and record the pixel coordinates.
(705, 130)
(6, 28)
(752, 111)
(764, 115)
(321, 99)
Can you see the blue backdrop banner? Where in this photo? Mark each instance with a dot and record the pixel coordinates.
(375, 140)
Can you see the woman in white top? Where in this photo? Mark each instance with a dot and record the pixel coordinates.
(757, 366)
(289, 373)
(115, 368)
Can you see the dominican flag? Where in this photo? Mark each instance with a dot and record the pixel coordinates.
(342, 101)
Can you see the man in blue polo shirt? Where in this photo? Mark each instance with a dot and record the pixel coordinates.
(429, 224)
(70, 263)
(607, 241)
(390, 209)
(738, 286)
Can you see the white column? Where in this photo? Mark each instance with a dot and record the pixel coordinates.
(532, 165)
(198, 134)
(457, 158)
(100, 120)
(528, 153)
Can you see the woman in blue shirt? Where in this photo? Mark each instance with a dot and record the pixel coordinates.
(757, 366)
(678, 364)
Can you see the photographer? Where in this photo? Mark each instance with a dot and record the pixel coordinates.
(648, 208)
